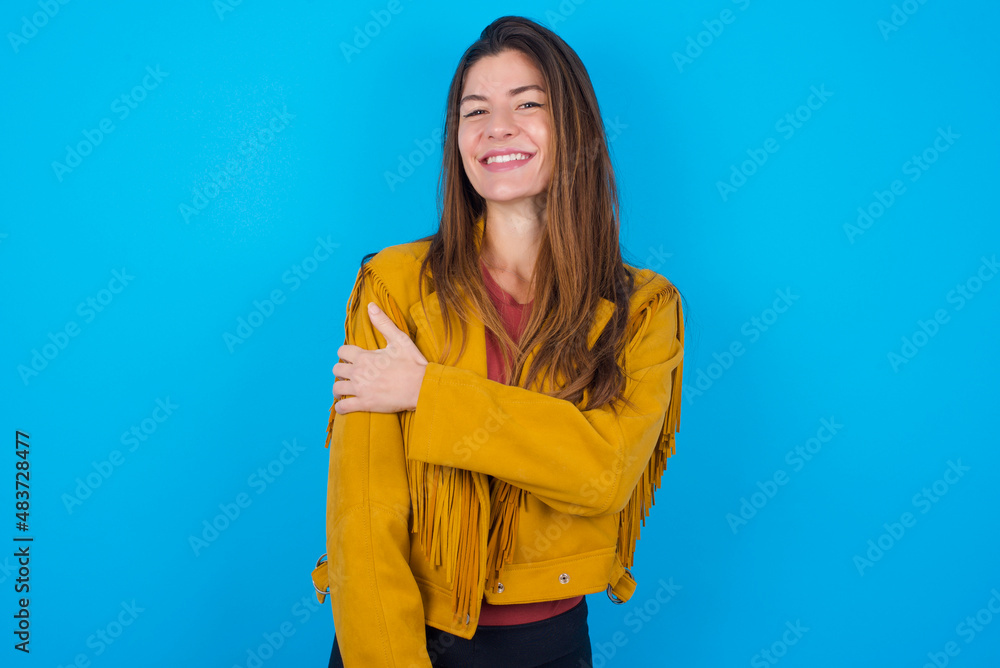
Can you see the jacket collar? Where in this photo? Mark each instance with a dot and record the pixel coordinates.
(430, 325)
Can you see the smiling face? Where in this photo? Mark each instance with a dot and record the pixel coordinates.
(504, 128)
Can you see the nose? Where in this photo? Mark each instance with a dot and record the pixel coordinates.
(501, 124)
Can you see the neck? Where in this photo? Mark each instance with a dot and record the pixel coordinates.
(511, 238)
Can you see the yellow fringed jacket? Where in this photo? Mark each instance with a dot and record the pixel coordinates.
(486, 488)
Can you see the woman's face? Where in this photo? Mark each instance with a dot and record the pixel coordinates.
(503, 112)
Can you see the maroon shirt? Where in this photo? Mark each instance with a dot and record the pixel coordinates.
(514, 316)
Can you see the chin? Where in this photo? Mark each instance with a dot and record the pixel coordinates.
(508, 194)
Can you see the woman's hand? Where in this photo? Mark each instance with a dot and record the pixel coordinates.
(381, 381)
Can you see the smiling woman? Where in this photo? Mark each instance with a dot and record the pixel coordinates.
(555, 418)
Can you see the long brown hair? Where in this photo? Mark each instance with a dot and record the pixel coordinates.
(579, 259)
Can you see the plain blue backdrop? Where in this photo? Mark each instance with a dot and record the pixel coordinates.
(188, 189)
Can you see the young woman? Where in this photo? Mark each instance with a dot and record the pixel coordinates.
(475, 499)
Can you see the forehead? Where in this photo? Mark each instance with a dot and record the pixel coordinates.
(495, 75)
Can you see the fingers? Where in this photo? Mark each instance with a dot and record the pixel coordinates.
(348, 352)
(393, 334)
(342, 388)
(384, 324)
(342, 370)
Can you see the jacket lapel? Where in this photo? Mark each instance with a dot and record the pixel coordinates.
(430, 327)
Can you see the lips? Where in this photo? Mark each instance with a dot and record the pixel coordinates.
(505, 151)
(507, 165)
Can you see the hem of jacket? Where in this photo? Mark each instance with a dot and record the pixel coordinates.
(541, 577)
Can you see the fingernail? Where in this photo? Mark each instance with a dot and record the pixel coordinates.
(372, 307)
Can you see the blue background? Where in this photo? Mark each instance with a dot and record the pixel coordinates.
(339, 123)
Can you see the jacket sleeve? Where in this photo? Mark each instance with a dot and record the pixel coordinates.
(582, 462)
(377, 609)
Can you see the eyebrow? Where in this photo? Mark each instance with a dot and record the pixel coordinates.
(511, 93)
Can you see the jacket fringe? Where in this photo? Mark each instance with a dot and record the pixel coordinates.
(505, 503)
(446, 519)
(637, 509)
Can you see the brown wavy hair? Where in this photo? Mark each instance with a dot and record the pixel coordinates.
(579, 259)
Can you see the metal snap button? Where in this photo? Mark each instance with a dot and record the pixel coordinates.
(499, 587)
(564, 578)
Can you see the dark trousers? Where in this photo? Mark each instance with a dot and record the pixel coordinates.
(562, 641)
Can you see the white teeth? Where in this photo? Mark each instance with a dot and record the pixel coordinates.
(506, 158)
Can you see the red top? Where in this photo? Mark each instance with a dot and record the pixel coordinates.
(514, 317)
